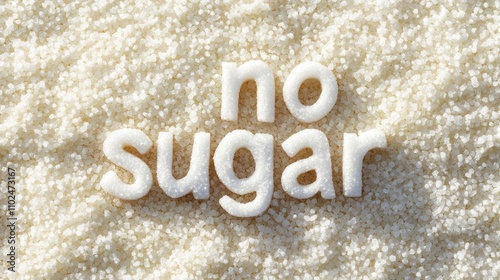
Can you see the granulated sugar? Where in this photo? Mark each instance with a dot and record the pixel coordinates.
(426, 73)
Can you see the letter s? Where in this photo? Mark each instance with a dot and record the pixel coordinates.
(113, 149)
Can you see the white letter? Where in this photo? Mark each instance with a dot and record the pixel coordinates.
(232, 79)
(320, 162)
(196, 180)
(328, 97)
(113, 149)
(261, 181)
(355, 149)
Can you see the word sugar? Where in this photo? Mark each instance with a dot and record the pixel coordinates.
(260, 145)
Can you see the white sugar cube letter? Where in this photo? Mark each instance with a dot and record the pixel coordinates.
(355, 148)
(261, 181)
(196, 180)
(113, 149)
(319, 161)
(232, 79)
(327, 98)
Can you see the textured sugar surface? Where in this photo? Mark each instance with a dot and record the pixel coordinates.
(425, 73)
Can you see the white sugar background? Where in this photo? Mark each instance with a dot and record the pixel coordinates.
(425, 73)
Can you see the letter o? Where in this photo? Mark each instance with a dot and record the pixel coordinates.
(328, 97)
